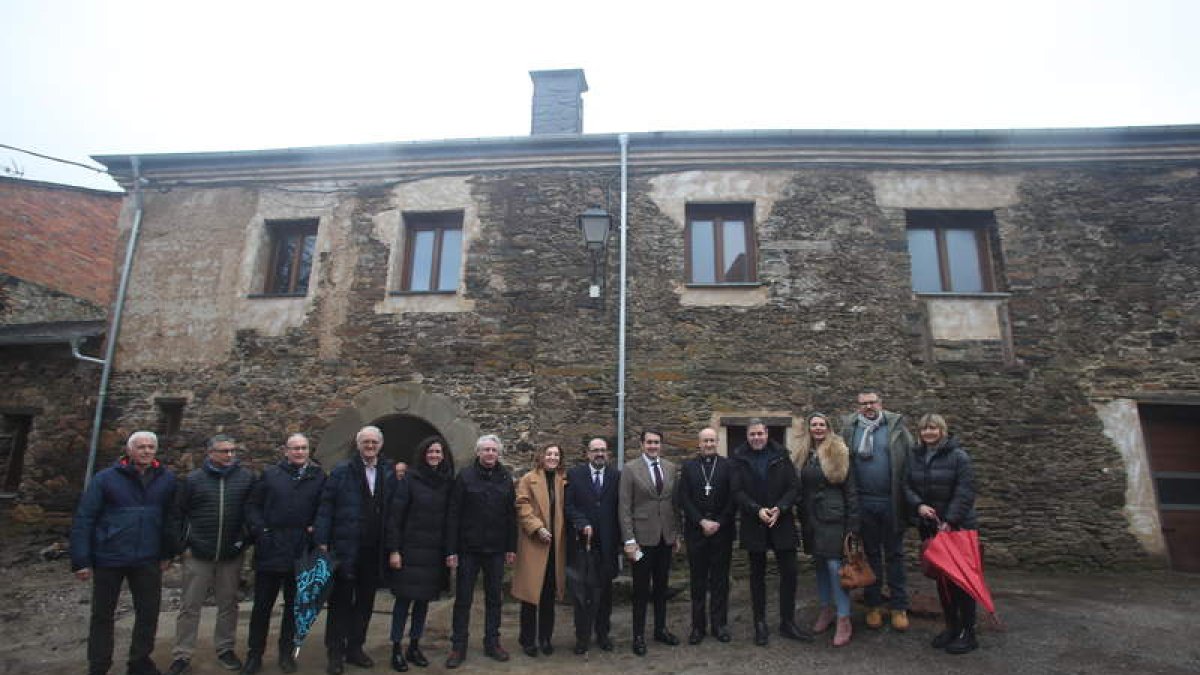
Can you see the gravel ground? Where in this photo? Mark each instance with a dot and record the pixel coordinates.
(1053, 623)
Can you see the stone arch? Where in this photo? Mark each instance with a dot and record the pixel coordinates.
(389, 401)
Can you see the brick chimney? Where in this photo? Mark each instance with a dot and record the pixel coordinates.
(558, 101)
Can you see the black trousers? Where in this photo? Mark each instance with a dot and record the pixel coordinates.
(958, 606)
(650, 576)
(786, 561)
(145, 585)
(266, 589)
(351, 602)
(708, 562)
(537, 621)
(469, 567)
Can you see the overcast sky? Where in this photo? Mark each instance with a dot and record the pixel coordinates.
(85, 77)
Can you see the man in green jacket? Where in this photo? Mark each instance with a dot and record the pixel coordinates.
(211, 506)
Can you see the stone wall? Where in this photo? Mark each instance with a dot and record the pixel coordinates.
(1100, 265)
(59, 392)
(22, 302)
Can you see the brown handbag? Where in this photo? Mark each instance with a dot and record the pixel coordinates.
(855, 572)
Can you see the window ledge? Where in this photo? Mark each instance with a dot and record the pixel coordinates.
(420, 293)
(751, 294)
(738, 285)
(273, 296)
(951, 295)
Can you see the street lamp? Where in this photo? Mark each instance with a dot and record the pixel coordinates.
(595, 223)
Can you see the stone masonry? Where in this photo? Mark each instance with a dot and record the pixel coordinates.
(1095, 266)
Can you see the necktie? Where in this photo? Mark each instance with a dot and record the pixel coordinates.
(658, 479)
(596, 485)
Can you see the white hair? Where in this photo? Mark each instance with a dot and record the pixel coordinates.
(368, 430)
(489, 438)
(141, 434)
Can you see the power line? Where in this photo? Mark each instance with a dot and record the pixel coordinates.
(55, 159)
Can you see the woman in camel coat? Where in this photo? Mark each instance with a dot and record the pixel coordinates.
(539, 577)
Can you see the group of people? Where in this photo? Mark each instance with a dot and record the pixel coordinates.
(406, 527)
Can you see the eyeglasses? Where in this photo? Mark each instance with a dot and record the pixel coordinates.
(868, 404)
(223, 451)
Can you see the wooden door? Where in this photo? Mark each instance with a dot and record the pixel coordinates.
(1172, 435)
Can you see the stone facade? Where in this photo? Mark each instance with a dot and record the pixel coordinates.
(1094, 257)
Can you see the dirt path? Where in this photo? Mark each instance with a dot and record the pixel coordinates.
(1099, 623)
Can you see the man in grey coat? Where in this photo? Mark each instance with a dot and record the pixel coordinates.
(879, 444)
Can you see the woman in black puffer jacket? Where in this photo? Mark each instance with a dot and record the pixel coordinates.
(941, 491)
(416, 546)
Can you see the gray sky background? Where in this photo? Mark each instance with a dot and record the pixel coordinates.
(132, 76)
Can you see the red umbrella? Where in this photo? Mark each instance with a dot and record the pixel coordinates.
(955, 554)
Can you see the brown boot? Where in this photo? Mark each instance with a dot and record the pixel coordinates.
(875, 618)
(841, 637)
(824, 619)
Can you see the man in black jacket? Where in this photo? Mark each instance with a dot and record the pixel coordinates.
(481, 535)
(349, 526)
(765, 488)
(707, 504)
(281, 510)
(590, 506)
(211, 503)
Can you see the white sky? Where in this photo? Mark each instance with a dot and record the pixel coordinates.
(84, 77)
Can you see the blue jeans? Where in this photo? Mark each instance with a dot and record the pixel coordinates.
(885, 552)
(420, 608)
(829, 585)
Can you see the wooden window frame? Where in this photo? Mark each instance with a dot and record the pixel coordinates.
(18, 438)
(736, 427)
(939, 221)
(718, 214)
(281, 231)
(438, 222)
(170, 415)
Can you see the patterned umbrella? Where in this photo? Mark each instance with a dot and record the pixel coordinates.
(314, 580)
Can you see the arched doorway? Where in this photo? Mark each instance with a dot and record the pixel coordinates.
(401, 434)
(406, 414)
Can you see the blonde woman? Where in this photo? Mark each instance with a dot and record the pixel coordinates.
(941, 491)
(539, 579)
(829, 510)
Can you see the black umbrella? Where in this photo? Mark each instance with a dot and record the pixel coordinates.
(314, 580)
(584, 580)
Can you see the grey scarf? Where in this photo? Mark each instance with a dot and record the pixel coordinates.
(866, 446)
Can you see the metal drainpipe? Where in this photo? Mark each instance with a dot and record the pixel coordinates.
(623, 139)
(80, 355)
(110, 348)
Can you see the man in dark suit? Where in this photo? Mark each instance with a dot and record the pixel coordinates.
(765, 488)
(591, 509)
(707, 504)
(650, 530)
(349, 526)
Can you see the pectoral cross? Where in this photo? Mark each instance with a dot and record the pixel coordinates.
(707, 490)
